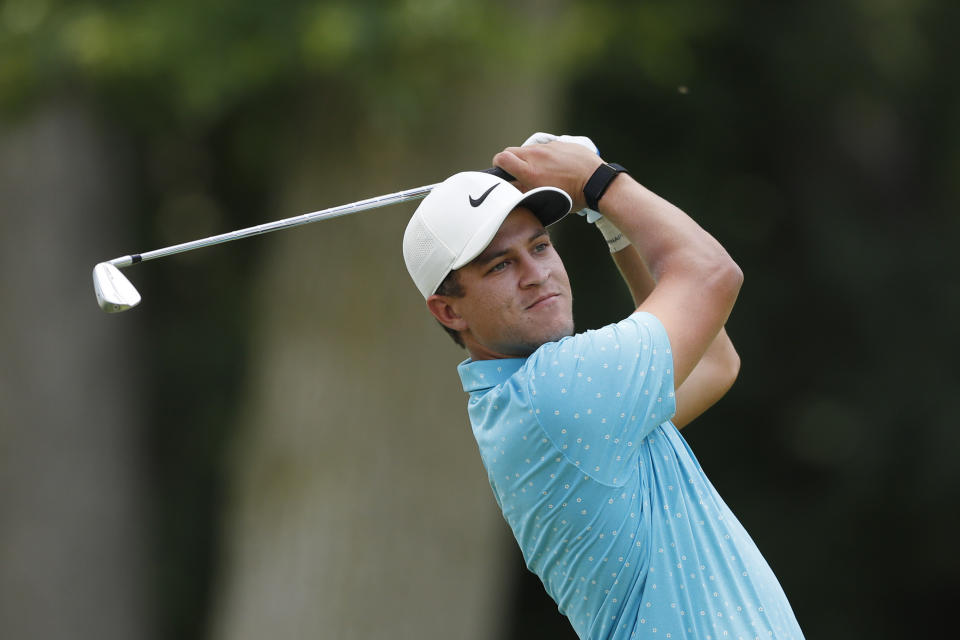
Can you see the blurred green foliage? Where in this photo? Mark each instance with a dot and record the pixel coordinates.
(198, 60)
(819, 140)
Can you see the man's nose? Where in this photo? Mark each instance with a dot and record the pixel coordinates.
(534, 272)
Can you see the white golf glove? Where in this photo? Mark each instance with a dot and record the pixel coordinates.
(615, 239)
(544, 138)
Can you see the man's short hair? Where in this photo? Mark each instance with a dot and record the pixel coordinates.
(451, 287)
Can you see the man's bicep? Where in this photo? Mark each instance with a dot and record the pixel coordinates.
(692, 314)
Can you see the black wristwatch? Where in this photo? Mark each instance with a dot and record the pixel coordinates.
(599, 181)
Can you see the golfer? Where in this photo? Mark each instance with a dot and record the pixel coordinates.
(579, 432)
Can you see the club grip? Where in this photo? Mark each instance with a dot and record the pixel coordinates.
(500, 173)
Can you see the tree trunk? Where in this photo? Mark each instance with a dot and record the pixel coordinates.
(71, 537)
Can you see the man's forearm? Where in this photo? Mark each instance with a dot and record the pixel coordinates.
(635, 273)
(709, 381)
(663, 235)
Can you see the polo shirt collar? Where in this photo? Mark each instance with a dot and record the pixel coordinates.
(484, 374)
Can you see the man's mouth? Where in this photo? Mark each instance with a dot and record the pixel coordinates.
(543, 299)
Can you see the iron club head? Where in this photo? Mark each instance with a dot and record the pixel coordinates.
(114, 291)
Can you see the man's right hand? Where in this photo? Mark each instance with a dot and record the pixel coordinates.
(545, 138)
(565, 165)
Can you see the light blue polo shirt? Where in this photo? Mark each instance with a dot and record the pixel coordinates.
(607, 502)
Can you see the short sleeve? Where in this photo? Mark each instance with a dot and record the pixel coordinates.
(599, 393)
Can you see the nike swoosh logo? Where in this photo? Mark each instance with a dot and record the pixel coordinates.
(476, 202)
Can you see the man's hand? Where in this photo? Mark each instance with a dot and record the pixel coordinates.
(564, 165)
(546, 138)
(615, 239)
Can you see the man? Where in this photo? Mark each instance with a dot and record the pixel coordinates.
(605, 498)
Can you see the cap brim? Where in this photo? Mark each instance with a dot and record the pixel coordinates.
(549, 204)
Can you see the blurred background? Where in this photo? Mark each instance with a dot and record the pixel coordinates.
(275, 443)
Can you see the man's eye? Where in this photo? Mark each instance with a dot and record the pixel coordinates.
(541, 247)
(500, 266)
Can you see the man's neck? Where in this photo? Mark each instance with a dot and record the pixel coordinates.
(479, 351)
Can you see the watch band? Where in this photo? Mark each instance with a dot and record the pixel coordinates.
(599, 181)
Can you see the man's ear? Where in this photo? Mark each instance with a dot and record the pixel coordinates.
(443, 311)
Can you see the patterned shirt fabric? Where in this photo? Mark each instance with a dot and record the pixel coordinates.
(605, 498)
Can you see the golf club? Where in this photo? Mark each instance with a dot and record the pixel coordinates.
(115, 293)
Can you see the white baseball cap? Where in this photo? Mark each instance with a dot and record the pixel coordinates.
(459, 218)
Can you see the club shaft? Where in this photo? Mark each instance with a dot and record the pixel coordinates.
(287, 223)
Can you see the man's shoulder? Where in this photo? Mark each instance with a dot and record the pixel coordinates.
(615, 381)
(593, 355)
